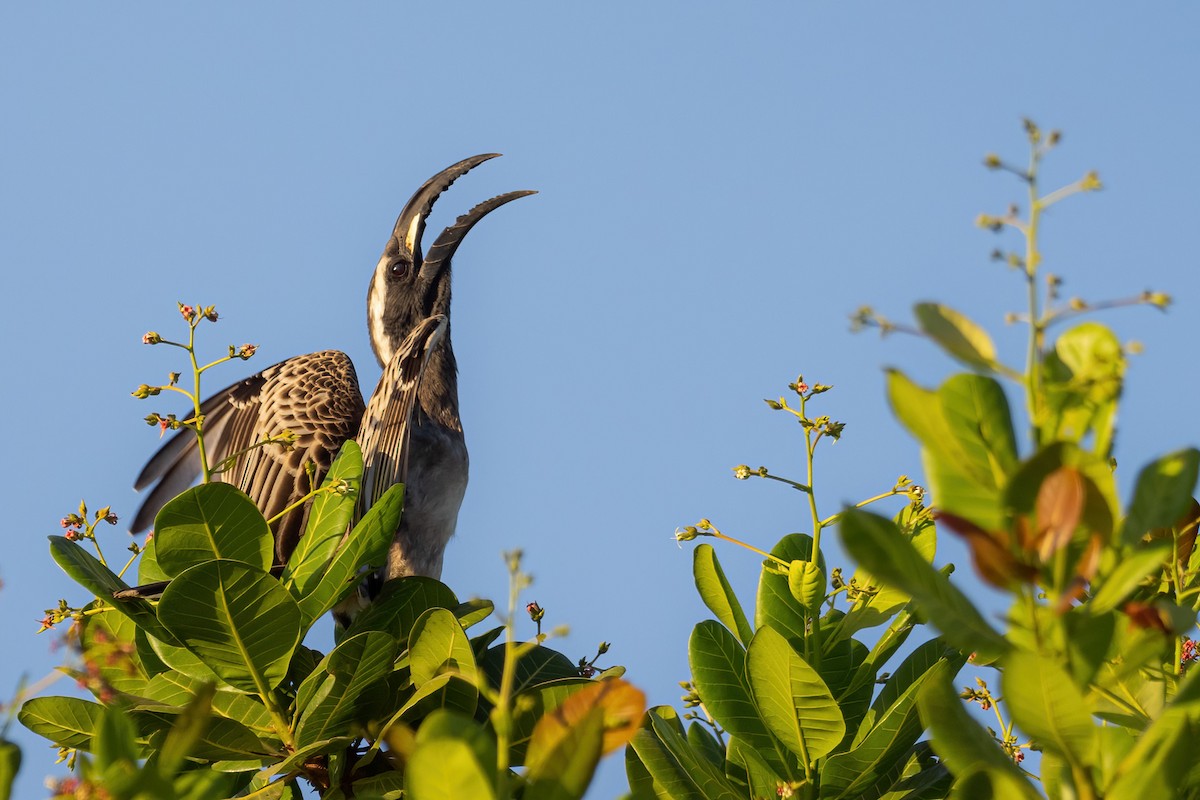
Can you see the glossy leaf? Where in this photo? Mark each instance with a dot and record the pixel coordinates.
(961, 338)
(353, 666)
(445, 691)
(400, 603)
(329, 518)
(66, 721)
(718, 665)
(747, 765)
(664, 750)
(806, 582)
(717, 594)
(366, 546)
(454, 758)
(876, 543)
(887, 743)
(237, 619)
(791, 698)
(88, 572)
(438, 644)
(537, 666)
(179, 690)
(209, 521)
(1163, 494)
(776, 606)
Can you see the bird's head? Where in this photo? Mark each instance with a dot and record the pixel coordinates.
(408, 285)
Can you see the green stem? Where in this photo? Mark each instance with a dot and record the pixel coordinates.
(205, 473)
(812, 643)
(860, 504)
(1037, 330)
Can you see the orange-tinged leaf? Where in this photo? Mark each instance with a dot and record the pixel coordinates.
(993, 559)
(1085, 570)
(621, 703)
(1059, 507)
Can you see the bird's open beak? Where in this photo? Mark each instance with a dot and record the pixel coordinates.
(443, 248)
(410, 225)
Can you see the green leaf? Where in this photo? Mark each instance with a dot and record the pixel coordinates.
(108, 642)
(991, 783)
(1046, 705)
(806, 582)
(329, 518)
(960, 741)
(366, 546)
(454, 758)
(180, 660)
(1159, 762)
(1163, 494)
(793, 701)
(973, 468)
(437, 644)
(894, 731)
(679, 770)
(66, 721)
(717, 594)
(148, 569)
(237, 619)
(748, 766)
(776, 606)
(445, 691)
(472, 612)
(352, 666)
(10, 765)
(538, 666)
(178, 689)
(185, 734)
(221, 739)
(718, 665)
(961, 338)
(664, 778)
(209, 521)
(1083, 381)
(701, 740)
(1129, 573)
(877, 544)
(967, 440)
(564, 770)
(841, 662)
(400, 603)
(98, 579)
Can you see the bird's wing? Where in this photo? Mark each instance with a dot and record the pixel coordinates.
(386, 425)
(315, 397)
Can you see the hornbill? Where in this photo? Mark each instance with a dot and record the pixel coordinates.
(409, 431)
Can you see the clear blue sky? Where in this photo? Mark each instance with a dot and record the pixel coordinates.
(719, 190)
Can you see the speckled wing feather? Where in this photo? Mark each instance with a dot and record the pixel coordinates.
(315, 397)
(387, 422)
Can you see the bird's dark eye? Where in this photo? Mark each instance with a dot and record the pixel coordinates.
(400, 268)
